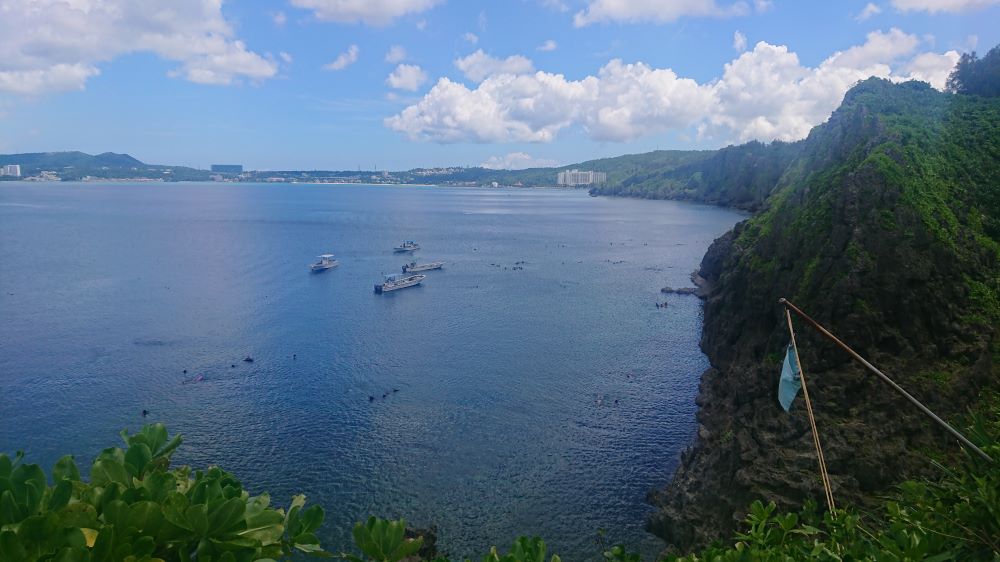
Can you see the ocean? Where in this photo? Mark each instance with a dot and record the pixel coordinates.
(530, 387)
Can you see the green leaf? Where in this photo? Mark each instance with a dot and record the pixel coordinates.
(10, 512)
(225, 517)
(146, 517)
(197, 518)
(80, 515)
(11, 548)
(28, 482)
(104, 471)
(265, 527)
(136, 459)
(61, 495)
(65, 469)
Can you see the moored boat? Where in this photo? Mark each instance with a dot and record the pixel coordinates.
(325, 262)
(407, 246)
(414, 267)
(393, 282)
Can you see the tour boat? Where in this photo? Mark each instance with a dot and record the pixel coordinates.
(414, 267)
(393, 282)
(407, 246)
(325, 262)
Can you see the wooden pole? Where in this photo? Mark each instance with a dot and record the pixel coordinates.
(816, 325)
(827, 489)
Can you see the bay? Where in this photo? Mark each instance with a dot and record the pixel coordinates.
(529, 387)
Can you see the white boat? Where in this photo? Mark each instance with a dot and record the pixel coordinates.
(393, 282)
(414, 267)
(407, 246)
(325, 262)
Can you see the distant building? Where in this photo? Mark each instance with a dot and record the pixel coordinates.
(11, 170)
(228, 168)
(576, 177)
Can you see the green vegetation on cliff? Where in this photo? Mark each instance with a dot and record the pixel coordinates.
(883, 225)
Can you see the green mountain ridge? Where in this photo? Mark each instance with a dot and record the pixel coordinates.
(75, 165)
(884, 225)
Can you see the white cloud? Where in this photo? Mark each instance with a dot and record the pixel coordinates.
(421, 25)
(479, 65)
(762, 5)
(279, 18)
(763, 94)
(371, 12)
(285, 57)
(407, 77)
(739, 41)
(549, 45)
(934, 6)
(57, 45)
(345, 59)
(868, 11)
(932, 68)
(471, 37)
(767, 94)
(656, 11)
(395, 54)
(517, 161)
(557, 5)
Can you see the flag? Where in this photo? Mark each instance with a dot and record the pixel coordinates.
(789, 384)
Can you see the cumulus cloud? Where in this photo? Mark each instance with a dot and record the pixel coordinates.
(739, 41)
(557, 5)
(656, 11)
(371, 12)
(934, 6)
(932, 68)
(285, 57)
(762, 5)
(407, 77)
(868, 11)
(517, 161)
(345, 59)
(57, 45)
(479, 65)
(549, 45)
(765, 94)
(471, 37)
(395, 54)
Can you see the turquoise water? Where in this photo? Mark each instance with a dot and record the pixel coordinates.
(539, 390)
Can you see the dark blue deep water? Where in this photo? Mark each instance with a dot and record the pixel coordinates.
(544, 400)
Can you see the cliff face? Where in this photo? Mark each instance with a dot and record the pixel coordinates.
(884, 228)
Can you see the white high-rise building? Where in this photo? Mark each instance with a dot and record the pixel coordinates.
(576, 177)
(11, 170)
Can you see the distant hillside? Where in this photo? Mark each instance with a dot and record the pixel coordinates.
(76, 165)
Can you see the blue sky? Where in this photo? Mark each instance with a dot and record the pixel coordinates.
(508, 83)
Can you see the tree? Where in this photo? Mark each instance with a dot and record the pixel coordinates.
(976, 76)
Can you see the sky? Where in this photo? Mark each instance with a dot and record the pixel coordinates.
(398, 84)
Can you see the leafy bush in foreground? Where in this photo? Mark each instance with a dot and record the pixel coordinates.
(136, 509)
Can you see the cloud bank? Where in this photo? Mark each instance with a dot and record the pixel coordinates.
(765, 93)
(57, 45)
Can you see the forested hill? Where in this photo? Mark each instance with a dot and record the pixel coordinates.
(109, 165)
(618, 168)
(884, 225)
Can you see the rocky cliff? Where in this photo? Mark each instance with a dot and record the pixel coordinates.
(883, 225)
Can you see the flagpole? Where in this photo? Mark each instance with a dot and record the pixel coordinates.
(816, 325)
(827, 489)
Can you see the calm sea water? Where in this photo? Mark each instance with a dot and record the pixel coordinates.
(539, 389)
